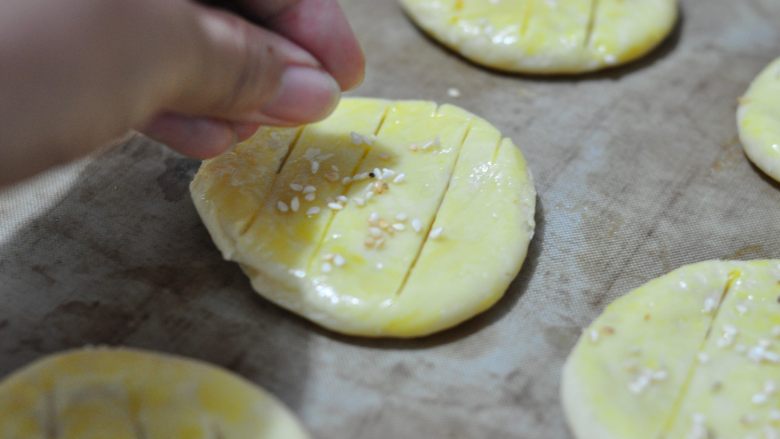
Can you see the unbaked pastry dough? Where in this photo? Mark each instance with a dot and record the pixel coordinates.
(386, 219)
(759, 121)
(100, 393)
(546, 36)
(693, 354)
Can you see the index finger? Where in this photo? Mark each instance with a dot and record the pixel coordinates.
(320, 27)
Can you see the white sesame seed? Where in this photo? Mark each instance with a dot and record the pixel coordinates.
(373, 217)
(593, 335)
(380, 265)
(334, 168)
(296, 187)
(709, 305)
(369, 194)
(436, 232)
(357, 139)
(359, 201)
(698, 430)
(757, 353)
(772, 357)
(295, 204)
(309, 189)
(346, 180)
(725, 342)
(435, 142)
(399, 178)
(375, 232)
(311, 153)
(758, 399)
(335, 206)
(401, 217)
(326, 267)
(398, 226)
(310, 196)
(416, 225)
(360, 177)
(660, 375)
(387, 173)
(729, 334)
(342, 199)
(453, 92)
(315, 166)
(282, 206)
(639, 384)
(377, 173)
(313, 210)
(339, 261)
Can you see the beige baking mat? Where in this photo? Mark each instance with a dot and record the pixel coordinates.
(638, 170)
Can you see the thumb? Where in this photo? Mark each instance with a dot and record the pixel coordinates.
(241, 72)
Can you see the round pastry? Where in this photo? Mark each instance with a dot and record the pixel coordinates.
(693, 354)
(386, 219)
(546, 36)
(758, 119)
(101, 393)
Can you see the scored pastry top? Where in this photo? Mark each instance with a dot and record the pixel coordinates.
(693, 354)
(544, 36)
(133, 394)
(386, 219)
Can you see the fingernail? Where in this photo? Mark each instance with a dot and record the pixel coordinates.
(305, 95)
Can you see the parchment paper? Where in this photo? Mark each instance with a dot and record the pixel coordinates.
(639, 170)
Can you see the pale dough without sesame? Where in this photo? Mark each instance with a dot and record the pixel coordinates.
(758, 118)
(546, 36)
(393, 219)
(692, 354)
(99, 393)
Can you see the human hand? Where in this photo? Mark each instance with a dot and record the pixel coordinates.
(78, 73)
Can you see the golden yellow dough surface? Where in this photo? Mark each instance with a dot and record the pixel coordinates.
(386, 219)
(758, 118)
(100, 393)
(693, 354)
(546, 36)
